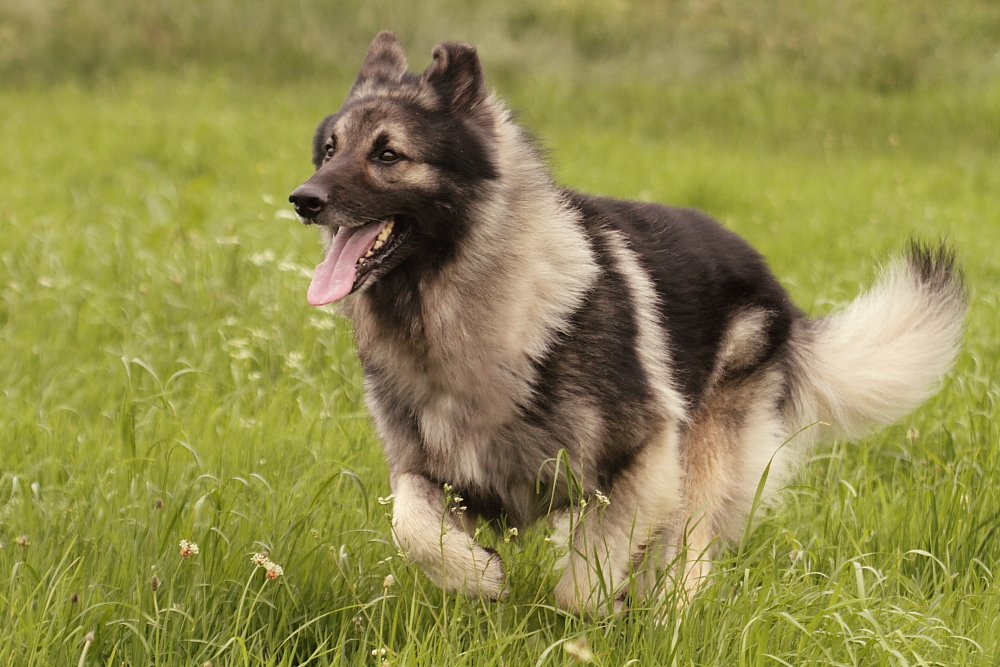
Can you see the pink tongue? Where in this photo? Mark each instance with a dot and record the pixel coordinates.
(334, 278)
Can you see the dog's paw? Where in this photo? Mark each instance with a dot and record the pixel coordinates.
(491, 582)
(473, 570)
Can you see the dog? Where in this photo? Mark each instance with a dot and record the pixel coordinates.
(631, 371)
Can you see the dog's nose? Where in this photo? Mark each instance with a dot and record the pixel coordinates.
(308, 200)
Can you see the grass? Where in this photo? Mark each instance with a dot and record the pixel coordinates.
(161, 378)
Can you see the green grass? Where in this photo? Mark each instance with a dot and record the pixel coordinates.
(161, 378)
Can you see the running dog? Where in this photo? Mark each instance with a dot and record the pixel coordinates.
(627, 369)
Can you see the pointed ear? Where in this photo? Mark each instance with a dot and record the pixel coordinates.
(385, 61)
(457, 76)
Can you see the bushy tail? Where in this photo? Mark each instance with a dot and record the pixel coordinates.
(883, 354)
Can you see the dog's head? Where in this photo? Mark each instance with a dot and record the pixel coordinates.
(398, 166)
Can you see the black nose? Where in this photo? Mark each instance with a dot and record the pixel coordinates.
(308, 200)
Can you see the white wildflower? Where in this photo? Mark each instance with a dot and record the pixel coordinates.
(322, 323)
(294, 359)
(262, 258)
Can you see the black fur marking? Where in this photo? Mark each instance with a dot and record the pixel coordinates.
(703, 274)
(486, 504)
(935, 266)
(395, 302)
(320, 136)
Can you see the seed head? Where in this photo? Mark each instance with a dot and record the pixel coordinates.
(260, 560)
(273, 570)
(22, 540)
(188, 548)
(154, 583)
(579, 649)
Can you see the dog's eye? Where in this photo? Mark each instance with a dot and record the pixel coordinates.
(330, 150)
(388, 155)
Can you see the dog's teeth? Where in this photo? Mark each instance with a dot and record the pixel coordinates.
(370, 253)
(378, 244)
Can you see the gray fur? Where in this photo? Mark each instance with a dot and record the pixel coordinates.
(539, 351)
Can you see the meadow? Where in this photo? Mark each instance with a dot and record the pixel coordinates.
(162, 378)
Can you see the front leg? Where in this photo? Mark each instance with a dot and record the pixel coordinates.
(435, 539)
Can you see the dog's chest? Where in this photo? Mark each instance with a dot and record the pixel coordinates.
(462, 401)
(457, 431)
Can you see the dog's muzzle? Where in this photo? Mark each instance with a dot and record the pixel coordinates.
(308, 200)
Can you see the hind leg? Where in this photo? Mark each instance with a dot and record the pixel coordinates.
(690, 545)
(735, 438)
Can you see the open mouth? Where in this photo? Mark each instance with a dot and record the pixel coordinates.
(383, 246)
(356, 252)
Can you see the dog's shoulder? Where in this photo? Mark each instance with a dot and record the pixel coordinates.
(673, 236)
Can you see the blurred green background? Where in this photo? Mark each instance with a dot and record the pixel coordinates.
(881, 45)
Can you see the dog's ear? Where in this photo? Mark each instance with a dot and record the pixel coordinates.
(385, 61)
(457, 76)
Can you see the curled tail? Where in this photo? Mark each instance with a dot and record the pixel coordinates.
(883, 354)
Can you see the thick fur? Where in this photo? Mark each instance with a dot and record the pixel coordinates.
(629, 370)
